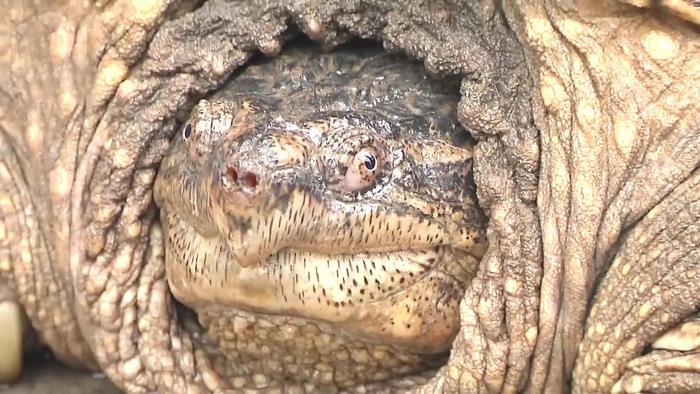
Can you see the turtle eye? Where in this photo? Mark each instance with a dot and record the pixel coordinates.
(370, 162)
(362, 171)
(187, 131)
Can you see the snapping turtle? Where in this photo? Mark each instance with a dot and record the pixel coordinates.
(585, 118)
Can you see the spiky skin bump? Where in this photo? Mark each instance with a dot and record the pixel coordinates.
(290, 272)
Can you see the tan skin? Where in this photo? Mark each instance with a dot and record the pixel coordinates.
(585, 117)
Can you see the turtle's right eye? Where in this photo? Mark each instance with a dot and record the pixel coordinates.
(187, 131)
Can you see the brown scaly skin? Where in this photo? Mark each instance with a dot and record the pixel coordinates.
(329, 195)
(587, 125)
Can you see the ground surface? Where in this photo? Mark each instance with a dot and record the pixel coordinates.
(43, 375)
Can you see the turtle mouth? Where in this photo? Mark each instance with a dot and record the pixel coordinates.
(405, 298)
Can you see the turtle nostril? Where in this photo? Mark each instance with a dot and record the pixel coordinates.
(249, 180)
(232, 174)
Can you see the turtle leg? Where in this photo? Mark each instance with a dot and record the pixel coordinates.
(11, 321)
(672, 366)
(639, 336)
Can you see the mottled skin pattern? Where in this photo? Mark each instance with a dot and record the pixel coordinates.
(324, 188)
(585, 117)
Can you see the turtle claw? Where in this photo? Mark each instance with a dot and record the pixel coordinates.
(10, 341)
(684, 337)
(673, 365)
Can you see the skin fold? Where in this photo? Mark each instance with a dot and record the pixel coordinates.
(585, 122)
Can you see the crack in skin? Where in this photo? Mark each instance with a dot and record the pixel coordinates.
(254, 199)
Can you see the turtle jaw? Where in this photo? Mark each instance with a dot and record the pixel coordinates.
(288, 249)
(407, 299)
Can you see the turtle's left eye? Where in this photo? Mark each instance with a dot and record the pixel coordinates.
(362, 170)
(187, 131)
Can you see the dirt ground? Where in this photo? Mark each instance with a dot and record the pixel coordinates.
(43, 375)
